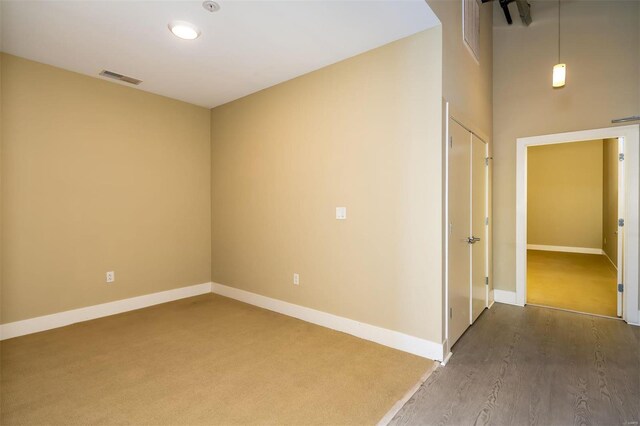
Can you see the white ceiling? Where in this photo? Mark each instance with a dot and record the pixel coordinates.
(245, 47)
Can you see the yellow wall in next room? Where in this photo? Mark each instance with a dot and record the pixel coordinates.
(564, 194)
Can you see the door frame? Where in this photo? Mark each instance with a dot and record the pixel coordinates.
(620, 236)
(451, 114)
(631, 135)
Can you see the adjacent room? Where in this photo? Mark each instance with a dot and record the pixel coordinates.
(572, 226)
(346, 212)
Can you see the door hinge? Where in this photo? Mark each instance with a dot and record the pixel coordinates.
(450, 141)
(450, 312)
(621, 156)
(486, 220)
(620, 288)
(486, 280)
(620, 222)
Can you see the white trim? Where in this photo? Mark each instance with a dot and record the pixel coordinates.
(447, 135)
(61, 319)
(565, 249)
(487, 230)
(620, 278)
(446, 359)
(631, 135)
(383, 336)
(604, 253)
(386, 419)
(505, 296)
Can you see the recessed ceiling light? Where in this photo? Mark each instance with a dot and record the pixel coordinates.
(184, 30)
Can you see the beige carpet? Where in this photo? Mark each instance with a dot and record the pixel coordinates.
(202, 360)
(574, 281)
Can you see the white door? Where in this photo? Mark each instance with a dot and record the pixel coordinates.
(620, 262)
(478, 227)
(459, 255)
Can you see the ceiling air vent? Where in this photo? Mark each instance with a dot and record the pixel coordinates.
(116, 76)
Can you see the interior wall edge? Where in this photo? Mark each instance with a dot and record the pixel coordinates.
(604, 253)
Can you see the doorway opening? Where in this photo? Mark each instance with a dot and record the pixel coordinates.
(572, 226)
(544, 254)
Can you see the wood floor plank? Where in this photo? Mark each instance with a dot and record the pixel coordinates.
(536, 366)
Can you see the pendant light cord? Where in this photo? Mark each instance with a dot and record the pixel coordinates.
(558, 31)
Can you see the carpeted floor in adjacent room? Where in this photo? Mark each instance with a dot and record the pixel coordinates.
(574, 281)
(202, 360)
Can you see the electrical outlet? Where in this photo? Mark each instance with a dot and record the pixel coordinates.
(341, 213)
(296, 279)
(111, 276)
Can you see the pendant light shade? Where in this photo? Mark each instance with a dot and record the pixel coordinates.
(560, 69)
(559, 75)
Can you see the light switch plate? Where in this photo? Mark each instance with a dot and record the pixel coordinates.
(341, 213)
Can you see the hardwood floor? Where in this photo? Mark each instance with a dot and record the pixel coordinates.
(538, 366)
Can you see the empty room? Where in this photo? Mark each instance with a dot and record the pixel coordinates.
(572, 226)
(345, 212)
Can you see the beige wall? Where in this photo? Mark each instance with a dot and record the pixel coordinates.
(97, 177)
(364, 133)
(610, 199)
(599, 39)
(564, 194)
(467, 83)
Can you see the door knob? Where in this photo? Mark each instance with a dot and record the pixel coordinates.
(473, 240)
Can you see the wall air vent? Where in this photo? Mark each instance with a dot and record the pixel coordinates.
(471, 26)
(116, 76)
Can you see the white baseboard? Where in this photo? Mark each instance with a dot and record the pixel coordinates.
(383, 336)
(584, 250)
(394, 339)
(447, 358)
(61, 319)
(607, 256)
(505, 296)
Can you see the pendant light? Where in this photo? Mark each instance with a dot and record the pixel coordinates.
(560, 69)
